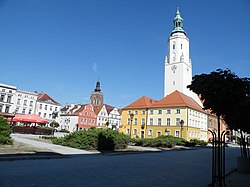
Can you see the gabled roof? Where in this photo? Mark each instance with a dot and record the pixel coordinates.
(79, 109)
(97, 109)
(46, 98)
(177, 99)
(109, 108)
(143, 102)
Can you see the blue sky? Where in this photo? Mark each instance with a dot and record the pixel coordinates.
(61, 47)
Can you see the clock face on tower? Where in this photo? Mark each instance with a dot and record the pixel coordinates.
(173, 68)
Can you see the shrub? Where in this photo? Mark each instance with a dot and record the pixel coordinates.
(198, 142)
(5, 131)
(162, 141)
(101, 139)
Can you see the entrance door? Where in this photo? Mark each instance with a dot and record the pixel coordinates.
(142, 134)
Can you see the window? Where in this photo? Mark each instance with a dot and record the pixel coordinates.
(178, 121)
(159, 121)
(40, 107)
(151, 112)
(135, 131)
(151, 121)
(143, 121)
(2, 97)
(55, 108)
(150, 132)
(177, 133)
(3, 90)
(25, 102)
(181, 46)
(168, 111)
(174, 46)
(44, 115)
(168, 121)
(23, 112)
(19, 101)
(159, 111)
(128, 131)
(143, 112)
(49, 115)
(173, 82)
(39, 113)
(9, 99)
(178, 111)
(1, 108)
(136, 112)
(135, 121)
(31, 103)
(30, 110)
(50, 108)
(17, 110)
(167, 132)
(46, 107)
(7, 108)
(128, 121)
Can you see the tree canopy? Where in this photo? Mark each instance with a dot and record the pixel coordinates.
(226, 95)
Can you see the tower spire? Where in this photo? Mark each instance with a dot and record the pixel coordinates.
(178, 23)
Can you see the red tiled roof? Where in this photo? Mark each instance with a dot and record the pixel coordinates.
(109, 108)
(97, 109)
(79, 110)
(46, 97)
(177, 99)
(143, 102)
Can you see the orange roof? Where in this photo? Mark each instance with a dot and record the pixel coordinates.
(177, 99)
(143, 102)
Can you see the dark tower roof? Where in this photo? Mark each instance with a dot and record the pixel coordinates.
(98, 87)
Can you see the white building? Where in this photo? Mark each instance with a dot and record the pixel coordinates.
(178, 65)
(114, 119)
(7, 98)
(25, 102)
(68, 118)
(46, 106)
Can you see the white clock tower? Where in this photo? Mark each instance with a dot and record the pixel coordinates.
(178, 66)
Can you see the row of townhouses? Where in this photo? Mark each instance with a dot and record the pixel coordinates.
(15, 101)
(84, 116)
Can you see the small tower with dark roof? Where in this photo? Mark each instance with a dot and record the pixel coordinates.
(96, 98)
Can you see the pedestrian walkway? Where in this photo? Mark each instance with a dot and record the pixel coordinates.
(30, 140)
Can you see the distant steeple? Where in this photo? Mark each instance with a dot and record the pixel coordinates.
(96, 98)
(178, 23)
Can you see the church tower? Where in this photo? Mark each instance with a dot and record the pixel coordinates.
(96, 98)
(178, 65)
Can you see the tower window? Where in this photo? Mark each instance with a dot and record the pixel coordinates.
(174, 46)
(181, 46)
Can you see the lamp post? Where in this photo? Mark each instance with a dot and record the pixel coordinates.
(131, 120)
(181, 123)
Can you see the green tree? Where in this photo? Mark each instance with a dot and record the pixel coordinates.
(54, 115)
(226, 95)
(5, 131)
(54, 124)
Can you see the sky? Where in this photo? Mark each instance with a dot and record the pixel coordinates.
(62, 47)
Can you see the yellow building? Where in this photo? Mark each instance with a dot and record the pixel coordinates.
(176, 114)
(134, 117)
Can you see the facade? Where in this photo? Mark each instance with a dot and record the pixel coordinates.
(7, 99)
(87, 117)
(176, 114)
(46, 106)
(114, 118)
(134, 117)
(25, 102)
(178, 65)
(102, 116)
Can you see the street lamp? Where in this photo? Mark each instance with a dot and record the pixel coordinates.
(181, 123)
(131, 120)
